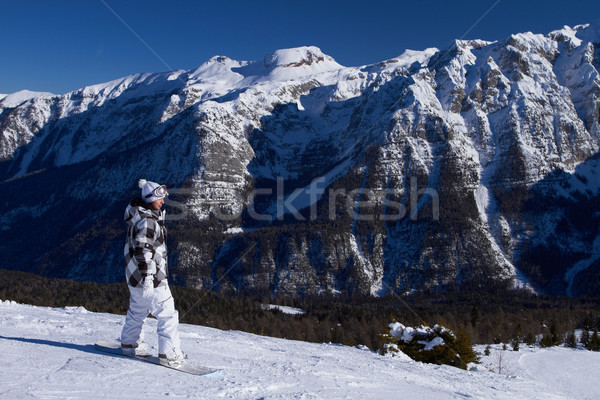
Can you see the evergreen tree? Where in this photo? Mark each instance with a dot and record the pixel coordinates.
(487, 350)
(474, 316)
(594, 344)
(530, 339)
(571, 340)
(516, 339)
(551, 338)
(515, 343)
(587, 322)
(547, 340)
(554, 334)
(464, 347)
(585, 338)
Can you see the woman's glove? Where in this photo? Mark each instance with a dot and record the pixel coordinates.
(148, 288)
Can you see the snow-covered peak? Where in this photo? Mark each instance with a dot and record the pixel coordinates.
(14, 99)
(566, 34)
(290, 64)
(531, 42)
(298, 57)
(589, 32)
(218, 67)
(409, 57)
(281, 65)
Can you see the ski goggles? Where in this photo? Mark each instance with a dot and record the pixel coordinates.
(160, 192)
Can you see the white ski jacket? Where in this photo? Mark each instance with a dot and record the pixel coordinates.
(146, 244)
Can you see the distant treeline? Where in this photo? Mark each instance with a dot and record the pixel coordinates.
(499, 317)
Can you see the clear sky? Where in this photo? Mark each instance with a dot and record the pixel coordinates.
(62, 45)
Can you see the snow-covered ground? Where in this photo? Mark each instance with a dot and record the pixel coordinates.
(284, 309)
(49, 354)
(570, 372)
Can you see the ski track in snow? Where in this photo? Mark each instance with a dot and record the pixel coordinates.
(49, 354)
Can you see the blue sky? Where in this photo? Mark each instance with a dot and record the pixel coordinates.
(62, 45)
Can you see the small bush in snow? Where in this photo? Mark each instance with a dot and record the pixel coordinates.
(437, 345)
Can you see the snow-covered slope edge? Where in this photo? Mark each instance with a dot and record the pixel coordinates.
(49, 353)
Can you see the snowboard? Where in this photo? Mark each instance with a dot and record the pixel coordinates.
(186, 366)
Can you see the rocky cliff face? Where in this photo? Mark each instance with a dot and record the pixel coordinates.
(468, 167)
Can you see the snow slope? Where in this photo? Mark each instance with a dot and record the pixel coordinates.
(49, 354)
(567, 371)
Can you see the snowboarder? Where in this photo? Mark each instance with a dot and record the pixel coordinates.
(146, 274)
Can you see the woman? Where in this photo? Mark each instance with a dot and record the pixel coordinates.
(146, 274)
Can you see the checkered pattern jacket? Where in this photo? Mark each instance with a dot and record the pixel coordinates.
(146, 244)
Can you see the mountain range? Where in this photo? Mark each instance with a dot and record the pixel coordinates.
(468, 168)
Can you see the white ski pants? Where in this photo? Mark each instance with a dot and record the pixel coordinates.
(162, 306)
